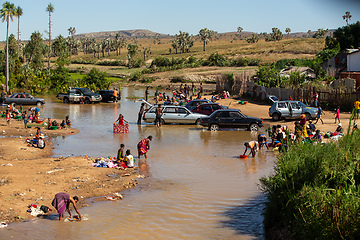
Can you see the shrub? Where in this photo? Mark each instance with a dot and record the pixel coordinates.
(111, 63)
(314, 191)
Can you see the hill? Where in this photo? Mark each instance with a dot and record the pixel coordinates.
(137, 33)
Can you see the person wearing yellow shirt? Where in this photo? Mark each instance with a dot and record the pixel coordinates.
(357, 108)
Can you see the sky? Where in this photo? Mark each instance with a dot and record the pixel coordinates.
(168, 16)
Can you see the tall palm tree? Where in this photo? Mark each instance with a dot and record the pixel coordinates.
(50, 8)
(205, 36)
(7, 13)
(288, 31)
(347, 17)
(19, 13)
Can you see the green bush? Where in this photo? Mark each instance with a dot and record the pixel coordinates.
(314, 192)
(111, 63)
(79, 61)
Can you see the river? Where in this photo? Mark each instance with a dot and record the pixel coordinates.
(197, 186)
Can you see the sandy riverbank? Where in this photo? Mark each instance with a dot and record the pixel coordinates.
(30, 175)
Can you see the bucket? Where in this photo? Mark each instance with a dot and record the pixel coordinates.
(244, 156)
(53, 127)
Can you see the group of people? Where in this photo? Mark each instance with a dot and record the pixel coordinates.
(126, 159)
(304, 131)
(65, 123)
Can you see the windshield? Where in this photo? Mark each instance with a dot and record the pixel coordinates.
(302, 104)
(85, 90)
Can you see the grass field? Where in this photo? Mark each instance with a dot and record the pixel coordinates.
(266, 52)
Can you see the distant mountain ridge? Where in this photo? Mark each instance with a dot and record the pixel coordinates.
(144, 33)
(140, 33)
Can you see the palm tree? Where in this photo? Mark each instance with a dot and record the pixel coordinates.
(72, 31)
(347, 17)
(7, 13)
(239, 30)
(288, 30)
(50, 8)
(205, 36)
(19, 13)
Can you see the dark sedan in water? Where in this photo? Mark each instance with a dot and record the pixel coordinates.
(230, 118)
(24, 99)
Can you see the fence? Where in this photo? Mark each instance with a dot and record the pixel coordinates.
(241, 84)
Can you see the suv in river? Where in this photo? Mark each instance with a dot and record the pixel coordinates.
(290, 109)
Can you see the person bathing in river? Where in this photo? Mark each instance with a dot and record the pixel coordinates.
(62, 202)
(253, 146)
(144, 146)
(262, 140)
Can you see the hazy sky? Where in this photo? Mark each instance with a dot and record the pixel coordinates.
(168, 17)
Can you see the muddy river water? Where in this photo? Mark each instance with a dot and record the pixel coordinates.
(197, 186)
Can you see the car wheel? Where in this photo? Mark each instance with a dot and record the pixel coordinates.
(39, 103)
(197, 122)
(66, 100)
(87, 101)
(276, 117)
(254, 127)
(308, 116)
(214, 127)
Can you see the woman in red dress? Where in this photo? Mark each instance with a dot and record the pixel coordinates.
(143, 146)
(122, 126)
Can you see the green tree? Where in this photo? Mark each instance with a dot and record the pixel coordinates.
(146, 50)
(35, 51)
(288, 31)
(71, 31)
(276, 34)
(254, 38)
(19, 13)
(348, 36)
(7, 13)
(320, 33)
(50, 9)
(60, 76)
(347, 17)
(132, 50)
(205, 36)
(59, 45)
(96, 79)
(239, 30)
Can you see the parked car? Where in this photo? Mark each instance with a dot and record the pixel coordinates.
(291, 109)
(84, 95)
(108, 96)
(208, 108)
(173, 114)
(230, 118)
(196, 102)
(24, 99)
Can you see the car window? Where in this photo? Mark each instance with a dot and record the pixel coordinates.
(207, 108)
(152, 110)
(224, 115)
(21, 96)
(282, 105)
(169, 110)
(27, 95)
(235, 115)
(216, 107)
(181, 111)
(295, 105)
